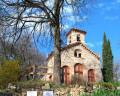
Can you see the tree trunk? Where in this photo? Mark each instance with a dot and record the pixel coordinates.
(57, 42)
(35, 72)
(57, 55)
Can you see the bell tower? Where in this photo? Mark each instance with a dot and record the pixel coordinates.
(75, 35)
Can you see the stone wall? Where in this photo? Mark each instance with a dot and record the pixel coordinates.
(88, 60)
(69, 90)
(74, 37)
(75, 90)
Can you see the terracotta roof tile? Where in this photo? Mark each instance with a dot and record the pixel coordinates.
(76, 30)
(72, 45)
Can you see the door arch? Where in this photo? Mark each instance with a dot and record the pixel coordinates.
(91, 75)
(78, 70)
(66, 74)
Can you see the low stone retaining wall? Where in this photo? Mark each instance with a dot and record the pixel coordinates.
(71, 90)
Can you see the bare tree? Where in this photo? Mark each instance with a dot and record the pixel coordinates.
(28, 52)
(42, 17)
(116, 71)
(24, 49)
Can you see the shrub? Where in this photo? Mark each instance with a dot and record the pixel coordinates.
(53, 85)
(103, 92)
(115, 82)
(108, 85)
(77, 80)
(9, 71)
(83, 94)
(32, 83)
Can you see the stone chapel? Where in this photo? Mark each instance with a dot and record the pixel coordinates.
(76, 59)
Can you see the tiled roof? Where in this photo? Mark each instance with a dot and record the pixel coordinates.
(72, 45)
(75, 30)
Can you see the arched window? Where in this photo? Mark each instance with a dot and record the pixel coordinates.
(78, 37)
(78, 70)
(91, 75)
(77, 53)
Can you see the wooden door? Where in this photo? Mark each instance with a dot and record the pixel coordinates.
(91, 75)
(78, 70)
(66, 75)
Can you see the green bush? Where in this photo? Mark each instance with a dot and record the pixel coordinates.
(53, 85)
(77, 80)
(9, 71)
(83, 94)
(2, 90)
(104, 92)
(109, 85)
(115, 82)
(38, 84)
(32, 83)
(112, 83)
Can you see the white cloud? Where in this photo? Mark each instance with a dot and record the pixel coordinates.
(111, 18)
(71, 18)
(77, 18)
(49, 3)
(68, 10)
(95, 44)
(100, 5)
(98, 43)
(85, 17)
(111, 6)
(118, 1)
(90, 44)
(64, 27)
(28, 10)
(114, 5)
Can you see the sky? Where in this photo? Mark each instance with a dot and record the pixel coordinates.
(104, 17)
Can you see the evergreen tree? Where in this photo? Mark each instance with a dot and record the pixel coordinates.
(104, 57)
(110, 62)
(107, 58)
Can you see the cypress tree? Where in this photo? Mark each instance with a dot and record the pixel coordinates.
(104, 57)
(107, 58)
(110, 62)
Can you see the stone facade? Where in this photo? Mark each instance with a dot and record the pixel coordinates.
(83, 56)
(73, 37)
